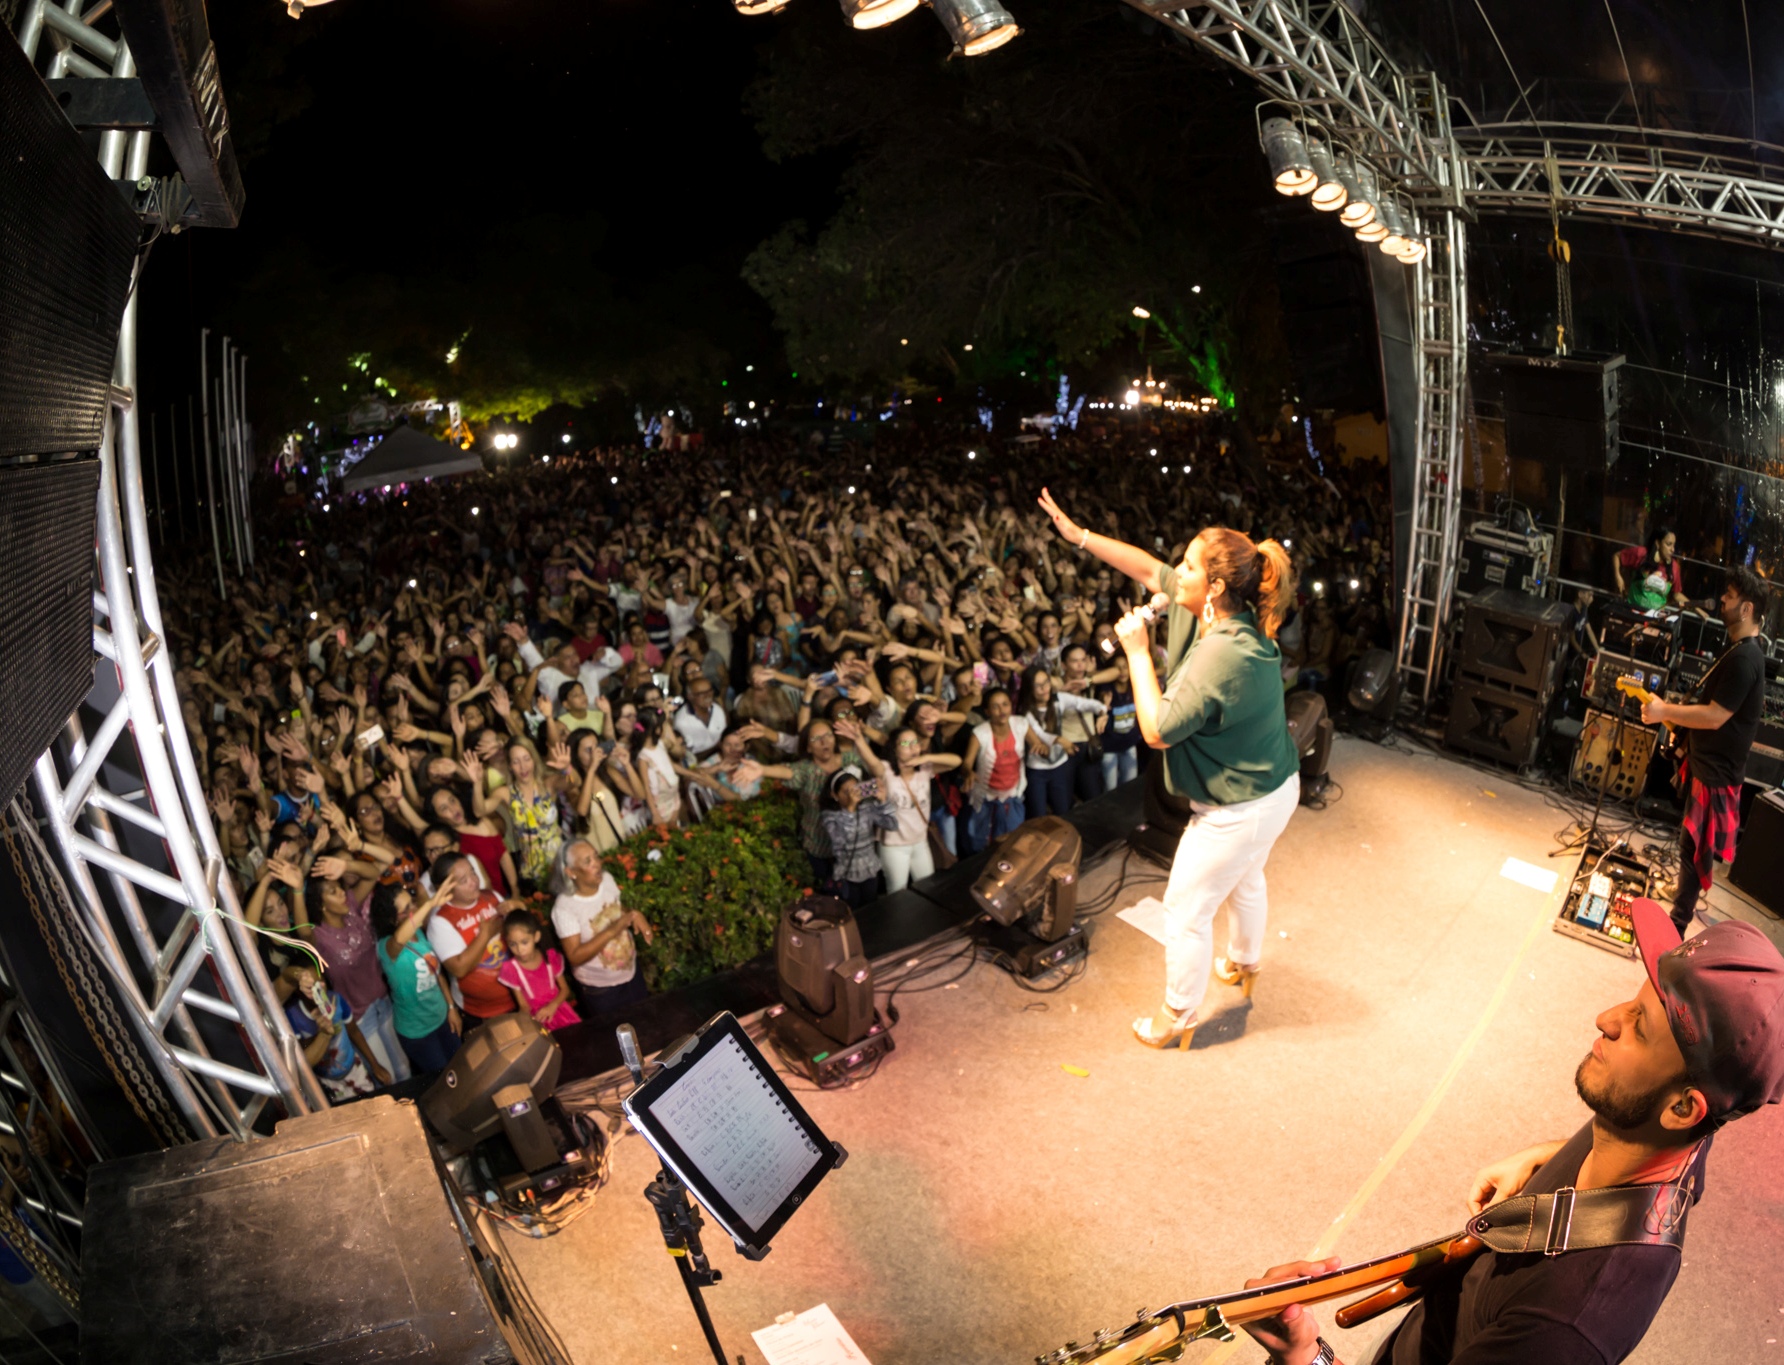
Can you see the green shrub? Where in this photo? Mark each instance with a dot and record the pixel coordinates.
(716, 891)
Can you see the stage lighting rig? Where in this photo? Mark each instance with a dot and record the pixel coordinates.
(1396, 240)
(828, 1028)
(1029, 891)
(759, 6)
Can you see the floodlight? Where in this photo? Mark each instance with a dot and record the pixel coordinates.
(1359, 182)
(508, 1050)
(759, 6)
(1395, 241)
(976, 26)
(1375, 684)
(1033, 877)
(1329, 193)
(876, 13)
(1287, 151)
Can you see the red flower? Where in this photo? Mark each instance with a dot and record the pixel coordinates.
(648, 877)
(737, 841)
(718, 931)
(806, 892)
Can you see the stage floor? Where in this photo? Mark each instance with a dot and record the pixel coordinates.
(1417, 1018)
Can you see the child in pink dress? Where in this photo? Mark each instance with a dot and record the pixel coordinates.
(537, 980)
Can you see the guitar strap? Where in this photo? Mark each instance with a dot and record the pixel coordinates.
(1578, 1220)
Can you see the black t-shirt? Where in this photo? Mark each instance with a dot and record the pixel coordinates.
(1589, 1307)
(1736, 683)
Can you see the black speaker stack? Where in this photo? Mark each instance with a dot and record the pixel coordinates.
(1759, 857)
(68, 242)
(1508, 672)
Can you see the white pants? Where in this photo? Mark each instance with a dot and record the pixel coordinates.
(1221, 858)
(906, 863)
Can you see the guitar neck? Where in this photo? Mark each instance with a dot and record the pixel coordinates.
(1192, 1319)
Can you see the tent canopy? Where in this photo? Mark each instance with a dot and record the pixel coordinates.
(405, 456)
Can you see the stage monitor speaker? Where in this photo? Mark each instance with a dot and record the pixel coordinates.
(336, 1241)
(1514, 640)
(508, 1050)
(1560, 410)
(1311, 729)
(1493, 723)
(1759, 857)
(1618, 760)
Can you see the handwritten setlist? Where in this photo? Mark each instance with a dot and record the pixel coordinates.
(736, 1132)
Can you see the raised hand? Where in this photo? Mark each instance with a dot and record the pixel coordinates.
(330, 869)
(390, 789)
(559, 756)
(473, 767)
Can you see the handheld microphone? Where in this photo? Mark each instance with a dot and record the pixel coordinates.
(628, 1051)
(1150, 612)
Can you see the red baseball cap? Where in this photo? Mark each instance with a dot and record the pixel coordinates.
(1724, 996)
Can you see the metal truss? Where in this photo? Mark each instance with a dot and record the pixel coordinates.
(1439, 296)
(1610, 173)
(122, 798)
(1318, 54)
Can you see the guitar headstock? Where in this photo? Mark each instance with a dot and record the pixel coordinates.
(1630, 684)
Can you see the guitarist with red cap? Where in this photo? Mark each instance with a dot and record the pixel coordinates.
(1572, 1276)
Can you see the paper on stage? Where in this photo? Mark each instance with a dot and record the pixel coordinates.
(1528, 874)
(814, 1337)
(1148, 916)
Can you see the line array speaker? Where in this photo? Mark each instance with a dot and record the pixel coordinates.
(1560, 410)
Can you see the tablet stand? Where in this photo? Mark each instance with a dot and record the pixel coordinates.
(680, 1222)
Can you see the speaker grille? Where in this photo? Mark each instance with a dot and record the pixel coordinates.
(46, 606)
(67, 241)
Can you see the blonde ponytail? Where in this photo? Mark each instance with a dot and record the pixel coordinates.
(1276, 586)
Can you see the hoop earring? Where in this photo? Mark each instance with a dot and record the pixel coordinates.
(1208, 611)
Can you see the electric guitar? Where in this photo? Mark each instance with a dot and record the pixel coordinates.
(1631, 686)
(1162, 1335)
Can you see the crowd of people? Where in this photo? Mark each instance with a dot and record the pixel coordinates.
(426, 715)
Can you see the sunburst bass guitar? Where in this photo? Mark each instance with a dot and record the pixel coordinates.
(1163, 1335)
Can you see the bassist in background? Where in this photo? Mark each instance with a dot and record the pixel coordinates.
(1720, 722)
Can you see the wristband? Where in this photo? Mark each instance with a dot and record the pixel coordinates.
(1086, 540)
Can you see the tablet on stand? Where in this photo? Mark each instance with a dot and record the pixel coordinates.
(731, 1134)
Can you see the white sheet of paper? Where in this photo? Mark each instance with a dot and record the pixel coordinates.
(1528, 874)
(1148, 916)
(815, 1337)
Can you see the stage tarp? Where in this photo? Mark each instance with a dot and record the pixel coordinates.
(407, 455)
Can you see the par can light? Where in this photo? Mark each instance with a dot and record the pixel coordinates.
(1328, 192)
(759, 6)
(1287, 151)
(876, 13)
(976, 26)
(1394, 242)
(1414, 251)
(1359, 184)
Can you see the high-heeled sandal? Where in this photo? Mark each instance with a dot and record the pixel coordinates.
(1236, 974)
(1182, 1029)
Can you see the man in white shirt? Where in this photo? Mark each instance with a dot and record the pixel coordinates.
(596, 932)
(565, 665)
(701, 723)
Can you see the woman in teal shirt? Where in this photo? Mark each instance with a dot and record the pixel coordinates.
(427, 1022)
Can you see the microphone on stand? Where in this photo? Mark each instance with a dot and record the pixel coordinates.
(1150, 612)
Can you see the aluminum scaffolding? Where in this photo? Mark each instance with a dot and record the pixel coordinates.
(121, 797)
